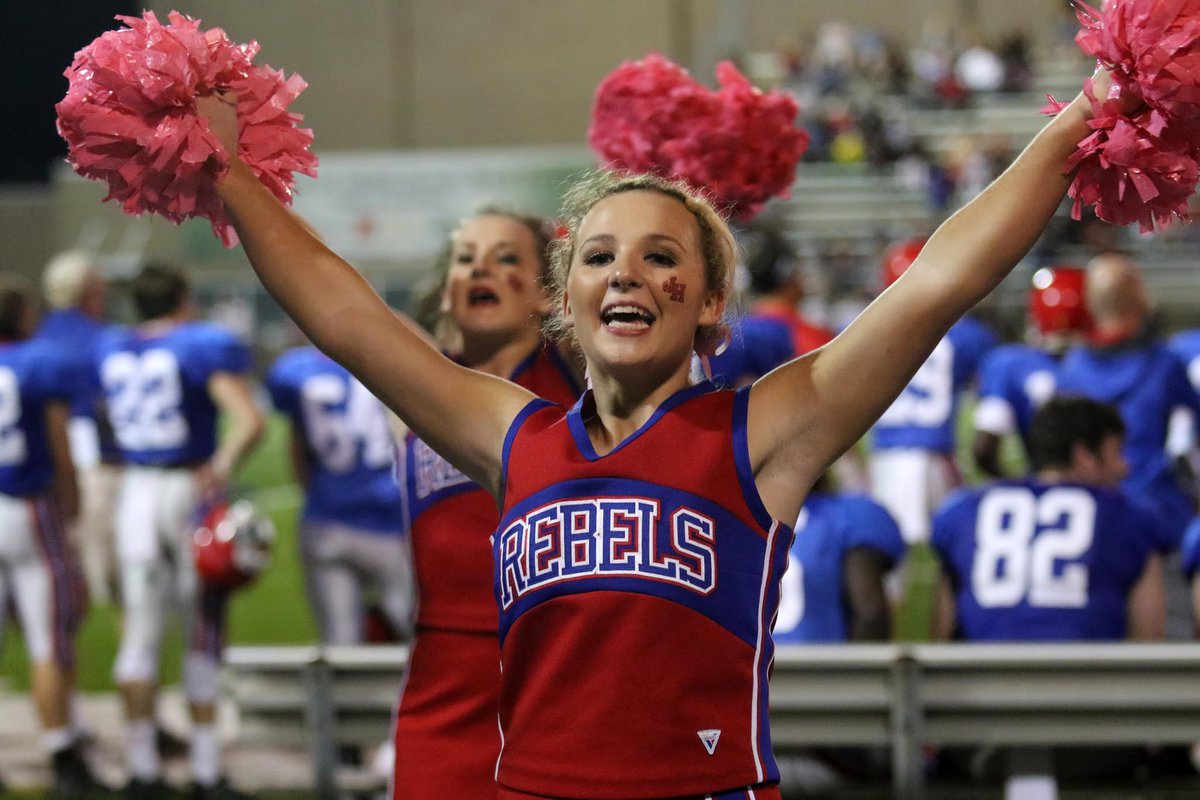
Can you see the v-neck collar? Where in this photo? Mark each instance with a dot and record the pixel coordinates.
(575, 418)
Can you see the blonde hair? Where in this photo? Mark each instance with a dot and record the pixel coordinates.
(65, 277)
(717, 244)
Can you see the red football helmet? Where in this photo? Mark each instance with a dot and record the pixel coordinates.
(231, 543)
(899, 257)
(1056, 300)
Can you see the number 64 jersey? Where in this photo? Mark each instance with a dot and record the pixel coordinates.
(1039, 561)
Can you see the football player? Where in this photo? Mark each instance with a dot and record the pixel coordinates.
(1126, 366)
(39, 495)
(165, 381)
(352, 529)
(913, 444)
(1016, 379)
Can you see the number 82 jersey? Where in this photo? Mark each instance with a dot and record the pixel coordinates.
(1037, 561)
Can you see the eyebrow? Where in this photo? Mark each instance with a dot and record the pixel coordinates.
(607, 238)
(472, 245)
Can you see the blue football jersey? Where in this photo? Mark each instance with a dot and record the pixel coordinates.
(32, 374)
(1035, 561)
(347, 442)
(1190, 550)
(156, 388)
(1186, 345)
(923, 415)
(756, 346)
(77, 334)
(1014, 381)
(812, 607)
(1146, 383)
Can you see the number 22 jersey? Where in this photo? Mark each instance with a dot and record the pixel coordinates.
(636, 592)
(156, 390)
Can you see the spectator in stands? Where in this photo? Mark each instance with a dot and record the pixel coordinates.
(1016, 379)
(76, 298)
(1126, 366)
(40, 578)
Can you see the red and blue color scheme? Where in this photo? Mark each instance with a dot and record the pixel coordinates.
(646, 579)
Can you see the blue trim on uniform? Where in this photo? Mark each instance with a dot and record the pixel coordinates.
(584, 442)
(534, 405)
(741, 458)
(525, 364)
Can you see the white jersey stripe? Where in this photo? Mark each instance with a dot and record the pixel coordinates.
(758, 648)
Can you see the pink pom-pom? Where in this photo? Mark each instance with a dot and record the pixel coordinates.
(1140, 167)
(129, 118)
(736, 144)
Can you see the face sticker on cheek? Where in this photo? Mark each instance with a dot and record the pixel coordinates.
(516, 283)
(675, 288)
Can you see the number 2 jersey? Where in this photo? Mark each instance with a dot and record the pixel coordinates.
(32, 374)
(1036, 561)
(636, 591)
(347, 442)
(156, 389)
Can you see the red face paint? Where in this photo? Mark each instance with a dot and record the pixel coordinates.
(516, 283)
(675, 288)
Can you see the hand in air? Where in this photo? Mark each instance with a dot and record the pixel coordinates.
(220, 110)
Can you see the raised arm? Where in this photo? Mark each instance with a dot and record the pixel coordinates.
(805, 414)
(461, 413)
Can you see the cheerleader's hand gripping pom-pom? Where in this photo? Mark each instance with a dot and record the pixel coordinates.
(737, 144)
(129, 118)
(1140, 164)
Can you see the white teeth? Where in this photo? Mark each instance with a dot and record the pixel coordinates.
(628, 326)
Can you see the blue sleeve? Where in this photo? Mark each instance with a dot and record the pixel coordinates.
(281, 388)
(1150, 526)
(223, 352)
(57, 377)
(993, 374)
(972, 340)
(1190, 551)
(1179, 389)
(868, 524)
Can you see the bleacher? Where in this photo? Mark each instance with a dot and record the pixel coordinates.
(899, 697)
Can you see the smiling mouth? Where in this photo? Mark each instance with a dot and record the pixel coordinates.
(626, 318)
(482, 297)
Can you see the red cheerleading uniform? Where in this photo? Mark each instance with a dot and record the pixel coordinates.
(636, 593)
(446, 736)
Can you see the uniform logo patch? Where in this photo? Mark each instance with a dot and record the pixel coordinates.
(709, 738)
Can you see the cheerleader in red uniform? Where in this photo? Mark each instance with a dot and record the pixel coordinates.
(644, 531)
(492, 305)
